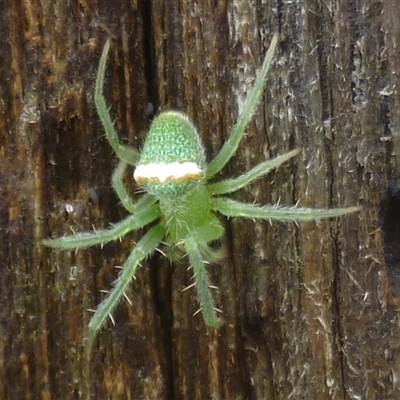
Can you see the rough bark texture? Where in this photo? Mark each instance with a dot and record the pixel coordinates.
(310, 310)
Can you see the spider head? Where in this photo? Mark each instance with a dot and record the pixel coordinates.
(172, 160)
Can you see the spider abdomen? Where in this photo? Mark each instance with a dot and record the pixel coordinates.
(172, 159)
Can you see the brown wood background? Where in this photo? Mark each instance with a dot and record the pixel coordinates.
(311, 310)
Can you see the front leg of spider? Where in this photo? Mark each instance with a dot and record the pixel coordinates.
(180, 201)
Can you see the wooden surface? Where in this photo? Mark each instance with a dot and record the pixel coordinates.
(310, 310)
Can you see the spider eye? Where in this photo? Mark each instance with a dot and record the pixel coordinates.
(173, 157)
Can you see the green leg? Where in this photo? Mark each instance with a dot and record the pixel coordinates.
(231, 208)
(231, 185)
(125, 153)
(202, 285)
(86, 239)
(120, 189)
(232, 143)
(143, 249)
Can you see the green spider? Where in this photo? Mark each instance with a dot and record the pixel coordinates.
(180, 200)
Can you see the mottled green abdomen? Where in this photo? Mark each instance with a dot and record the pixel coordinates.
(172, 159)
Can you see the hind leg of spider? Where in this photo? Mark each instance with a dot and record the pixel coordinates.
(125, 153)
(230, 146)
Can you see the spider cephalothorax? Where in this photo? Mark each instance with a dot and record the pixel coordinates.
(180, 198)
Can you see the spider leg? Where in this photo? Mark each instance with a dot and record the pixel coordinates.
(123, 195)
(230, 146)
(202, 284)
(231, 208)
(125, 153)
(142, 217)
(146, 245)
(231, 185)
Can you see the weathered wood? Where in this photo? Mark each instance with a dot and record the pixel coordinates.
(310, 310)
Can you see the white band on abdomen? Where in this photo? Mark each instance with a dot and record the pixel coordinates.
(164, 172)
